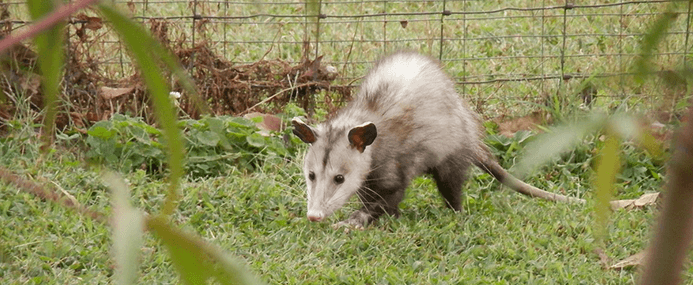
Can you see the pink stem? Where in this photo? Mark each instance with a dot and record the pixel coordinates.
(45, 23)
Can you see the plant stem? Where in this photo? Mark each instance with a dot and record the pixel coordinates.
(45, 23)
(674, 227)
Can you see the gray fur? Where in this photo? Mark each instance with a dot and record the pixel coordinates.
(423, 127)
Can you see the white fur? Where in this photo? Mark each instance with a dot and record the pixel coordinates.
(410, 90)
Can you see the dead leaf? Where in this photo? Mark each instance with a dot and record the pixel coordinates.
(508, 127)
(31, 83)
(269, 122)
(110, 93)
(92, 117)
(633, 260)
(131, 6)
(644, 200)
(92, 23)
(77, 119)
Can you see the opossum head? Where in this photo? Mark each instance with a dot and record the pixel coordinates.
(336, 164)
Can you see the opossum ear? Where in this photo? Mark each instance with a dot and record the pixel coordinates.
(303, 131)
(362, 136)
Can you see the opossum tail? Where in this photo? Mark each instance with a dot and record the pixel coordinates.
(492, 167)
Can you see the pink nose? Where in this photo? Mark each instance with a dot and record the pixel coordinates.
(314, 218)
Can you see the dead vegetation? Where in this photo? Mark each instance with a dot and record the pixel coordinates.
(90, 93)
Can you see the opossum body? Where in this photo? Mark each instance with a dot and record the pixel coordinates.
(407, 120)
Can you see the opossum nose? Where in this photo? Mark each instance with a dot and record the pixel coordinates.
(314, 218)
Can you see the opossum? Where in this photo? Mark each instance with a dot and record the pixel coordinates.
(406, 120)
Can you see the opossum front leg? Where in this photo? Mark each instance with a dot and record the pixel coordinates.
(375, 205)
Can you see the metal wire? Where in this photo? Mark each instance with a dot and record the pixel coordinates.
(455, 27)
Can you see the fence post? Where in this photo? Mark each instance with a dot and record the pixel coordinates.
(385, 26)
(563, 77)
(543, 39)
(317, 29)
(464, 48)
(194, 21)
(685, 47)
(442, 27)
(621, 68)
(226, 24)
(308, 17)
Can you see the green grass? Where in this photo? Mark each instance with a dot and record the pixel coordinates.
(500, 238)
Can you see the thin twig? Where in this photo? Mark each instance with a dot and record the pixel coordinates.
(279, 93)
(46, 194)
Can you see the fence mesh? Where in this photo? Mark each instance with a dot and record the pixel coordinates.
(506, 56)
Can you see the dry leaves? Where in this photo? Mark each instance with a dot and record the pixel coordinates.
(644, 200)
(508, 127)
(269, 122)
(110, 93)
(631, 261)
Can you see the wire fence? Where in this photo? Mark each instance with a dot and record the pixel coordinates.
(502, 54)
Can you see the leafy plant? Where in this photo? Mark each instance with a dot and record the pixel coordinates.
(213, 145)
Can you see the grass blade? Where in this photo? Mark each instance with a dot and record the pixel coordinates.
(628, 128)
(549, 145)
(128, 225)
(651, 39)
(608, 165)
(49, 44)
(139, 42)
(197, 261)
(173, 64)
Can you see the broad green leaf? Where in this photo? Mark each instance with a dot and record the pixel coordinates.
(607, 167)
(215, 124)
(50, 47)
(239, 122)
(128, 226)
(197, 261)
(256, 140)
(140, 134)
(258, 119)
(100, 132)
(562, 138)
(208, 138)
(140, 44)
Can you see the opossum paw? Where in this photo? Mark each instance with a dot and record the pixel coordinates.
(358, 220)
(348, 225)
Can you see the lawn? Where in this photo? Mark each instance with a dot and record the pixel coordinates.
(500, 238)
(244, 192)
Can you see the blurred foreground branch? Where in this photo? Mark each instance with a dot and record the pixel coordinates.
(46, 194)
(674, 227)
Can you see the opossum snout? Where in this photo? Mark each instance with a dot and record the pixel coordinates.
(315, 216)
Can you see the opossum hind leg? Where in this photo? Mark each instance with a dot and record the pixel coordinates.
(449, 176)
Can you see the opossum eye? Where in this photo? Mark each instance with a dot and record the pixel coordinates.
(311, 176)
(339, 179)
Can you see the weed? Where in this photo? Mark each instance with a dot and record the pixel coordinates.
(214, 145)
